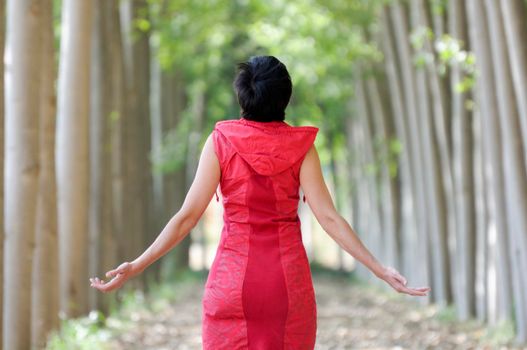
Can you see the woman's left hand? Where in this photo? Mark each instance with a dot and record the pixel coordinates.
(120, 275)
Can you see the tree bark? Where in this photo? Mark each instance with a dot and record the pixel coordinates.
(397, 105)
(73, 155)
(388, 183)
(514, 160)
(463, 167)
(137, 65)
(102, 239)
(371, 200)
(492, 149)
(45, 298)
(2, 120)
(514, 14)
(118, 120)
(173, 103)
(24, 28)
(439, 276)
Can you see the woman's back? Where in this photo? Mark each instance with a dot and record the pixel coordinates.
(259, 293)
(262, 158)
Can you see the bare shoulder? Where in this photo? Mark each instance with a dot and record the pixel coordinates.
(310, 165)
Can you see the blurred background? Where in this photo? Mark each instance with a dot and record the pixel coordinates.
(422, 110)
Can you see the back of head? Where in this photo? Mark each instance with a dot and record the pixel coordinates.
(264, 88)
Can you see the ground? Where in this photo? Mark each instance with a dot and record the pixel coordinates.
(350, 316)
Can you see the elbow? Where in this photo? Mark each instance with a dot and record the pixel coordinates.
(187, 221)
(330, 222)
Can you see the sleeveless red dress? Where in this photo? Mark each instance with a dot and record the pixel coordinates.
(259, 293)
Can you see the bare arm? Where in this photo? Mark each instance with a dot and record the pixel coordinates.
(321, 203)
(196, 201)
(198, 198)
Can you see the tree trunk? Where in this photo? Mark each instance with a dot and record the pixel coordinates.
(388, 183)
(45, 302)
(158, 192)
(439, 276)
(24, 28)
(361, 199)
(463, 166)
(492, 149)
(102, 239)
(137, 65)
(407, 226)
(72, 155)
(357, 189)
(2, 232)
(118, 120)
(514, 160)
(173, 102)
(514, 14)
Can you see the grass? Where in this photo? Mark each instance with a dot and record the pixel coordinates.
(502, 333)
(95, 330)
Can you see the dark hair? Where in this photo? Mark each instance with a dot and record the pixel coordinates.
(263, 87)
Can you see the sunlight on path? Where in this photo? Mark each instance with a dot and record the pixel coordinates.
(349, 317)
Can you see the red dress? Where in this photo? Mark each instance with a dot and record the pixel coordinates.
(259, 293)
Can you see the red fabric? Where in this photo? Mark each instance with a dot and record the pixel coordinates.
(259, 293)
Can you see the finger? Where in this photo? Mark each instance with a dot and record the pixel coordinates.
(113, 273)
(416, 291)
(112, 284)
(120, 269)
(96, 282)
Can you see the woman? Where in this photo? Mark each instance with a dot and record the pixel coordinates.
(259, 292)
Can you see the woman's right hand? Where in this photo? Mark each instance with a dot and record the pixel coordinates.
(119, 276)
(398, 282)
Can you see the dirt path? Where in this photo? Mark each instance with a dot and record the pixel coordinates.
(350, 316)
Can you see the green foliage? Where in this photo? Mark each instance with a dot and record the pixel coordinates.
(450, 52)
(85, 333)
(439, 7)
(94, 331)
(173, 154)
(57, 6)
(447, 314)
(319, 41)
(446, 52)
(503, 332)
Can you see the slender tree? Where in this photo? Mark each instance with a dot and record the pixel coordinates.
(102, 239)
(73, 155)
(118, 119)
(24, 28)
(45, 302)
(137, 139)
(388, 180)
(395, 88)
(2, 234)
(514, 159)
(494, 180)
(514, 14)
(420, 206)
(371, 199)
(463, 167)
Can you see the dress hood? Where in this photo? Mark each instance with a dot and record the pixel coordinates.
(268, 147)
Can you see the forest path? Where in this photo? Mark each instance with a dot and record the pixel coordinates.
(350, 316)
